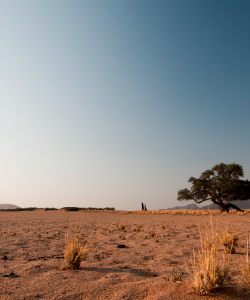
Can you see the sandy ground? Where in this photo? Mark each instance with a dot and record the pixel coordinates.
(34, 245)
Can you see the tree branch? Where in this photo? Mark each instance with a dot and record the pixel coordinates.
(202, 200)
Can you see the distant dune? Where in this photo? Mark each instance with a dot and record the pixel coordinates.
(8, 206)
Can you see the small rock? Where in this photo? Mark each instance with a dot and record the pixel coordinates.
(121, 246)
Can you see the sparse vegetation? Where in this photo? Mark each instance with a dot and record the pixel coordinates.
(139, 226)
(210, 269)
(245, 270)
(110, 228)
(74, 252)
(229, 239)
(176, 277)
(152, 234)
(121, 226)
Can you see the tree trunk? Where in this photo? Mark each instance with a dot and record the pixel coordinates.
(226, 206)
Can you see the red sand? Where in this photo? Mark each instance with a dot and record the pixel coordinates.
(135, 272)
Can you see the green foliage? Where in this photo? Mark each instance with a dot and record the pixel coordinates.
(221, 185)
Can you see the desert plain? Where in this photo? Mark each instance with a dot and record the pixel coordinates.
(135, 261)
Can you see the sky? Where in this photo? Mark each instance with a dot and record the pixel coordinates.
(114, 103)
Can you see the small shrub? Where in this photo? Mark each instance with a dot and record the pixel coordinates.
(139, 226)
(229, 239)
(121, 226)
(152, 234)
(74, 252)
(210, 270)
(110, 228)
(176, 277)
(245, 270)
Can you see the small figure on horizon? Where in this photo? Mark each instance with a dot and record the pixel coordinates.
(143, 207)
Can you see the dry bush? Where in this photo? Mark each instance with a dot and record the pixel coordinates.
(139, 226)
(109, 229)
(245, 270)
(176, 277)
(210, 269)
(121, 226)
(242, 213)
(152, 234)
(229, 238)
(74, 252)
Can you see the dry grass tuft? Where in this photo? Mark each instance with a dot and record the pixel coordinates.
(210, 269)
(152, 234)
(245, 271)
(229, 238)
(121, 226)
(74, 252)
(139, 226)
(176, 277)
(110, 228)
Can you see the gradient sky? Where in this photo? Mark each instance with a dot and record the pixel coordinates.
(114, 103)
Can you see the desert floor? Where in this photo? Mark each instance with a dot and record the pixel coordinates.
(32, 247)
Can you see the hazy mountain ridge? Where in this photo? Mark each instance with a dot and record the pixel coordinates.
(8, 206)
(193, 206)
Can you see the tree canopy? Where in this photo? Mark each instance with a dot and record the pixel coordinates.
(221, 185)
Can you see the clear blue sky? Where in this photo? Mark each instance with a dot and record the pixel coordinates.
(114, 103)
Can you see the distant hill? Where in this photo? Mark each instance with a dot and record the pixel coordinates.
(193, 206)
(8, 206)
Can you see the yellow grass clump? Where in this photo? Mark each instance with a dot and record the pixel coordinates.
(121, 226)
(210, 269)
(74, 252)
(245, 270)
(229, 239)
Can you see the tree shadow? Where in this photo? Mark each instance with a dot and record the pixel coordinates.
(137, 272)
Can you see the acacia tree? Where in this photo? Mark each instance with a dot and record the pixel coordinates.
(221, 185)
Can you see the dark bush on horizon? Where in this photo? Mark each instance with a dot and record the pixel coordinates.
(50, 208)
(20, 209)
(71, 208)
(89, 208)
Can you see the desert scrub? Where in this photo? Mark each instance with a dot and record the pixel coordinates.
(110, 228)
(74, 252)
(210, 269)
(174, 276)
(245, 270)
(229, 239)
(152, 234)
(139, 226)
(121, 226)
